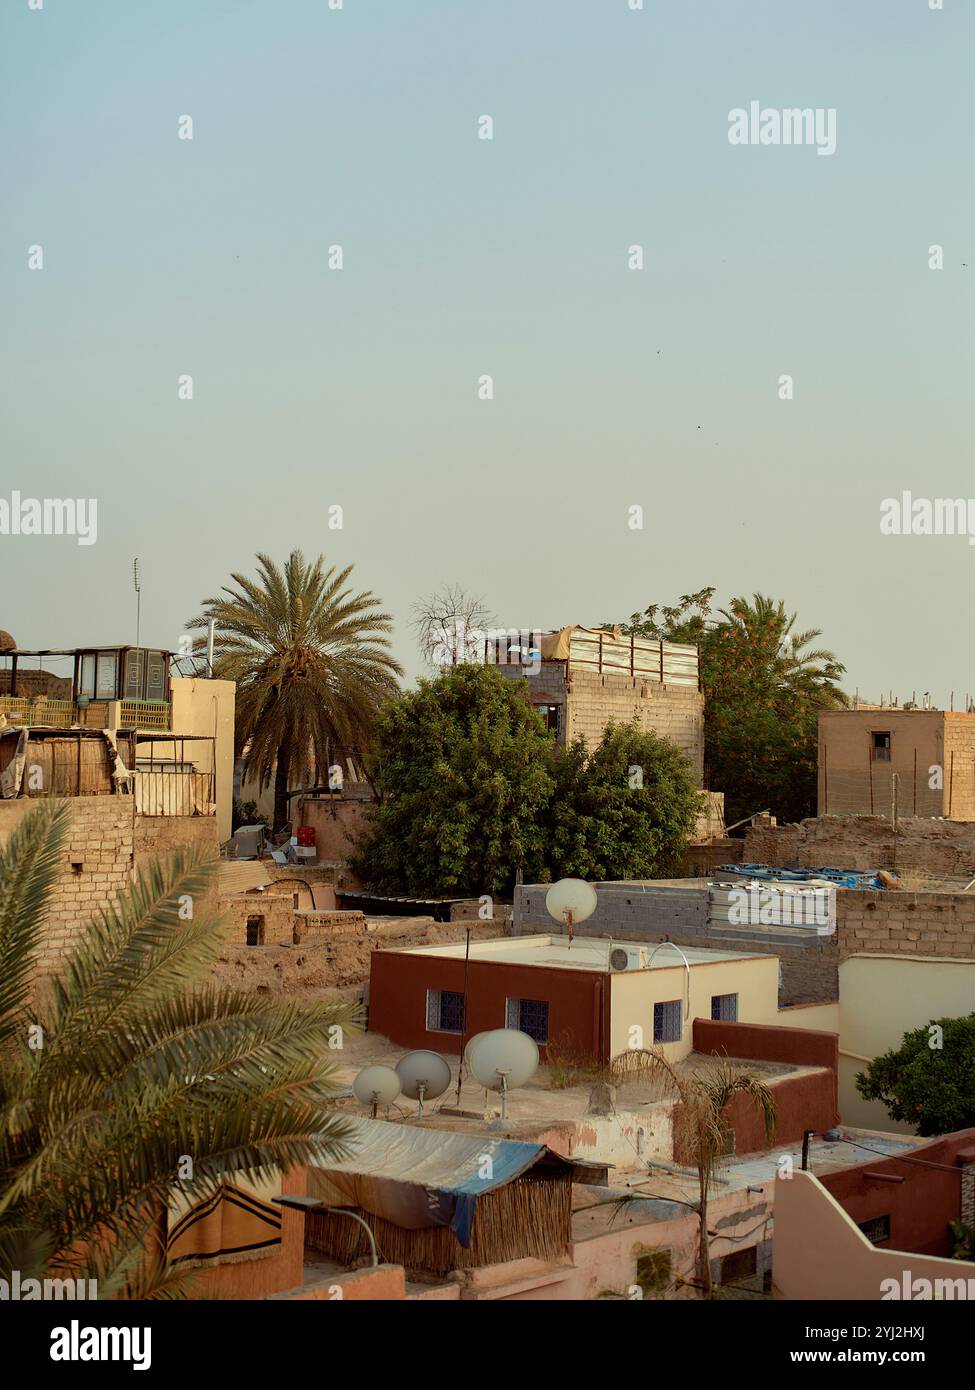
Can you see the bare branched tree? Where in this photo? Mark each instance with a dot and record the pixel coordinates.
(441, 620)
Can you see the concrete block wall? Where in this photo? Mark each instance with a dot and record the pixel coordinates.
(959, 766)
(808, 963)
(917, 924)
(675, 712)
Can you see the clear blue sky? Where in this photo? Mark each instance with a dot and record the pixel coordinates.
(462, 257)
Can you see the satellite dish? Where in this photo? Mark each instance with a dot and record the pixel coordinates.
(618, 958)
(469, 1050)
(504, 1058)
(423, 1075)
(571, 900)
(376, 1086)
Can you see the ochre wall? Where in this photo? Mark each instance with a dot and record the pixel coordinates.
(675, 712)
(336, 824)
(805, 1101)
(399, 981)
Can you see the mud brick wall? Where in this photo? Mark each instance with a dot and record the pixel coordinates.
(275, 911)
(97, 861)
(921, 844)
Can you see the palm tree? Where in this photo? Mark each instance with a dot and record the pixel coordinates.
(132, 1063)
(768, 649)
(698, 1124)
(312, 667)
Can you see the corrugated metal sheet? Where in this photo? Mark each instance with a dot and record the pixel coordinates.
(421, 1178)
(676, 663)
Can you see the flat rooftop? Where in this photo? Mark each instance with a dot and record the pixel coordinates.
(582, 953)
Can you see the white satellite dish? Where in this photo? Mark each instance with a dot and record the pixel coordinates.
(376, 1086)
(504, 1058)
(423, 1075)
(469, 1049)
(571, 900)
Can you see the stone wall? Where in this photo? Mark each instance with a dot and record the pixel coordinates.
(97, 861)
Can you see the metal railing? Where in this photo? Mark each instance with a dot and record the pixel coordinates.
(175, 792)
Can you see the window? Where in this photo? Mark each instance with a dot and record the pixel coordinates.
(738, 1266)
(653, 1270)
(86, 677)
(106, 667)
(550, 717)
(445, 1011)
(876, 1230)
(135, 666)
(667, 1021)
(529, 1016)
(724, 1008)
(881, 748)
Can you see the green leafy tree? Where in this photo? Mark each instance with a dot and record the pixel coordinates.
(626, 811)
(765, 685)
(133, 1062)
(473, 788)
(925, 1085)
(462, 767)
(312, 667)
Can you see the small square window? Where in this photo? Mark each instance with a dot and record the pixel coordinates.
(881, 747)
(445, 1011)
(724, 1008)
(877, 1230)
(528, 1016)
(667, 1021)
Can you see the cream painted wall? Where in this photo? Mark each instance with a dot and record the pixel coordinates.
(755, 979)
(823, 1017)
(205, 707)
(881, 999)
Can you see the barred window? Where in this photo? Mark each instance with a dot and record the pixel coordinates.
(724, 1008)
(529, 1016)
(667, 1021)
(445, 1011)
